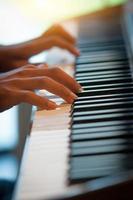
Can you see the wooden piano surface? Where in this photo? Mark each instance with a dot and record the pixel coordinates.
(45, 171)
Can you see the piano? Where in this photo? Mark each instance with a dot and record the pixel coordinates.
(85, 150)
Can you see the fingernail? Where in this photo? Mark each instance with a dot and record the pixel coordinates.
(77, 52)
(73, 97)
(81, 89)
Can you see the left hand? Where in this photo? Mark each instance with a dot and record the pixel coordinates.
(18, 55)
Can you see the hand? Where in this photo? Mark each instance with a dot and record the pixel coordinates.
(19, 85)
(59, 31)
(18, 55)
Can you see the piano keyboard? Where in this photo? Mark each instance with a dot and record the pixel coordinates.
(101, 140)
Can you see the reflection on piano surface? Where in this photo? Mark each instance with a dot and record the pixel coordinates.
(93, 137)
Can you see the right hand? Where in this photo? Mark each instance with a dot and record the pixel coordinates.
(19, 85)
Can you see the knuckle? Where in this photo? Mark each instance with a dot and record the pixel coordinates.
(30, 66)
(44, 81)
(55, 39)
(24, 71)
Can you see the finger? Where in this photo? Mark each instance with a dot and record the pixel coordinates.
(60, 76)
(32, 98)
(34, 47)
(66, 45)
(55, 73)
(47, 84)
(19, 62)
(58, 30)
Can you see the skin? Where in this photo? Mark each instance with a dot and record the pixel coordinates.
(14, 56)
(20, 79)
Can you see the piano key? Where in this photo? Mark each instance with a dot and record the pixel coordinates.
(101, 59)
(102, 54)
(81, 99)
(101, 48)
(103, 106)
(105, 81)
(119, 90)
(96, 150)
(102, 73)
(104, 86)
(103, 100)
(103, 117)
(101, 112)
(102, 124)
(100, 87)
(97, 77)
(101, 136)
(100, 129)
(97, 102)
(100, 42)
(103, 43)
(88, 167)
(100, 161)
(93, 173)
(97, 143)
(101, 67)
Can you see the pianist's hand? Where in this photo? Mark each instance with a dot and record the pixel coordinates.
(19, 85)
(14, 56)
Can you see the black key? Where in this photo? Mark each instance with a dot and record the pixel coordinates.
(101, 112)
(103, 106)
(100, 161)
(104, 86)
(101, 59)
(103, 100)
(100, 129)
(90, 167)
(89, 174)
(100, 77)
(101, 48)
(103, 117)
(107, 96)
(103, 124)
(102, 54)
(101, 136)
(100, 143)
(100, 67)
(102, 73)
(108, 149)
(89, 44)
(105, 81)
(105, 91)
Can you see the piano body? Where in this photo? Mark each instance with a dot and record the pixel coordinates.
(85, 151)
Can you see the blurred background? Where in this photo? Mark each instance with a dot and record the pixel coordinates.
(24, 19)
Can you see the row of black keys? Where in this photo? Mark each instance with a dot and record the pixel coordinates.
(102, 116)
